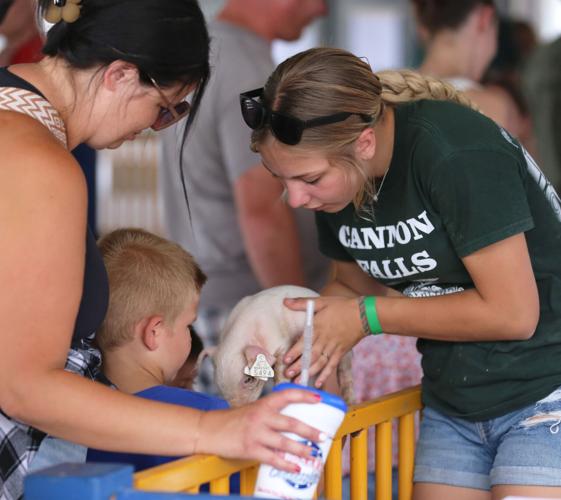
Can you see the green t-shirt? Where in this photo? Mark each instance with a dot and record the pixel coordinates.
(457, 183)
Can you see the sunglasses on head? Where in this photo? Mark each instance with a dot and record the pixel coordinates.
(286, 129)
(171, 113)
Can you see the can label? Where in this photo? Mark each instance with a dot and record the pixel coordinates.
(310, 468)
(275, 483)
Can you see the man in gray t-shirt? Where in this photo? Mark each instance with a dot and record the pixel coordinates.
(242, 234)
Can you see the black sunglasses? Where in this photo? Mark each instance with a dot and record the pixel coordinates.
(286, 129)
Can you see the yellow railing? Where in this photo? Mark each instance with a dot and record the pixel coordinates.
(188, 474)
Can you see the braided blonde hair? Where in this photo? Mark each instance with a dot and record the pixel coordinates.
(406, 86)
(324, 81)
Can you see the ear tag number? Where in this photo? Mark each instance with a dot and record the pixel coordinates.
(261, 369)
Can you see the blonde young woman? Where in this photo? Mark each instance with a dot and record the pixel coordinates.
(441, 227)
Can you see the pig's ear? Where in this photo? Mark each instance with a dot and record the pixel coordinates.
(251, 351)
(207, 352)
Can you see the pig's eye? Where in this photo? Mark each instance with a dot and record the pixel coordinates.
(248, 380)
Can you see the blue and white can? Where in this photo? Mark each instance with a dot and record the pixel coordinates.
(326, 416)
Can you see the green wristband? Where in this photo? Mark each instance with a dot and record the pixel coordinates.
(372, 315)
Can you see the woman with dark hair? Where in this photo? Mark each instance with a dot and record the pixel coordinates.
(112, 68)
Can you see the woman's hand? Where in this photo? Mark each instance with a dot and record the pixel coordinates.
(337, 328)
(254, 431)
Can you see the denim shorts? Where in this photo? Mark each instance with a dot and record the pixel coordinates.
(520, 448)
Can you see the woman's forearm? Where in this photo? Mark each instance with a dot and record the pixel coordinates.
(73, 408)
(464, 316)
(68, 406)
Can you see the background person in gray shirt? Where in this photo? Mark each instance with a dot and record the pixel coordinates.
(242, 234)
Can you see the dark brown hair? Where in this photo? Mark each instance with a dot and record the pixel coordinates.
(435, 15)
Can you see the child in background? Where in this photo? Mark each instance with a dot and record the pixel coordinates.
(145, 339)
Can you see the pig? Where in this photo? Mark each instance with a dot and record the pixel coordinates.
(256, 336)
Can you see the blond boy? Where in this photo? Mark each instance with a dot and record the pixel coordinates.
(154, 288)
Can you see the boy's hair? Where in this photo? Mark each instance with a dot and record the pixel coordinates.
(148, 275)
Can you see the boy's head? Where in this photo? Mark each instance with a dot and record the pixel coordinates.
(154, 287)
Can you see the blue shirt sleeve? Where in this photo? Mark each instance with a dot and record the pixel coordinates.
(163, 394)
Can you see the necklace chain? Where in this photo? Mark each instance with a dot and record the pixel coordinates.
(377, 194)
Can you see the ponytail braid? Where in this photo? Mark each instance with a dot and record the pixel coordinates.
(406, 86)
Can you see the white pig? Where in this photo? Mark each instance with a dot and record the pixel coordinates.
(261, 324)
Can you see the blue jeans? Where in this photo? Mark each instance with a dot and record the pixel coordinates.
(520, 448)
(54, 451)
